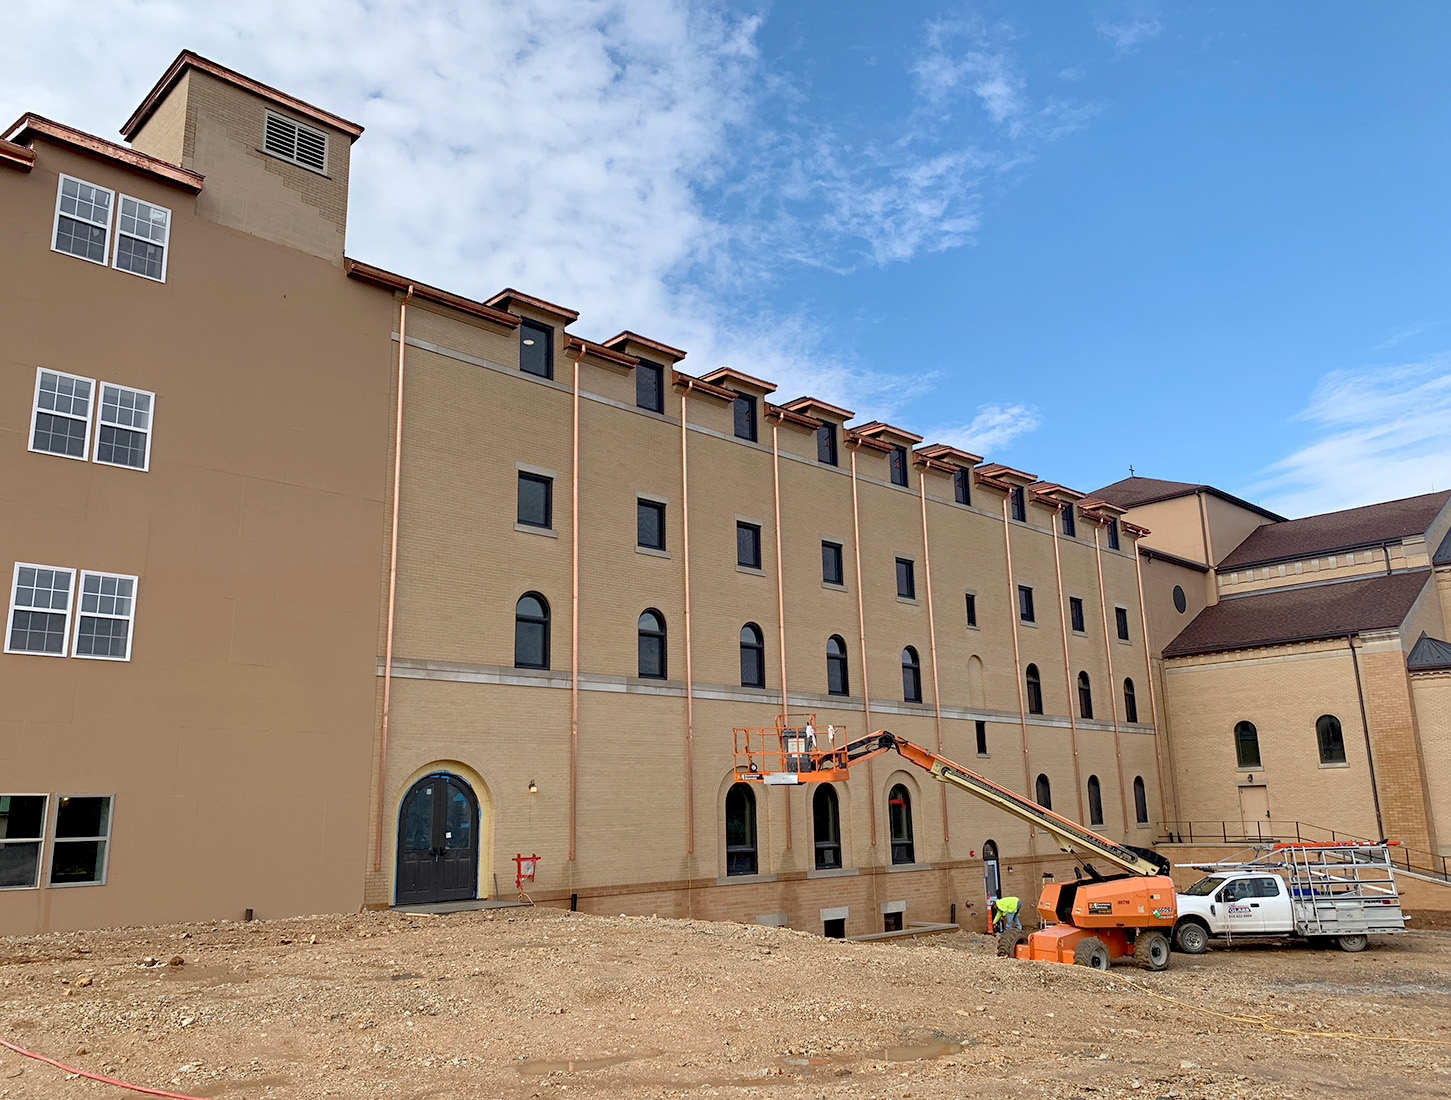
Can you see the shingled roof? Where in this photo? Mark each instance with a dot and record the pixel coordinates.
(1132, 492)
(1305, 614)
(1331, 532)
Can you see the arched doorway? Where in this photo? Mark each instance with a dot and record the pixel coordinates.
(438, 842)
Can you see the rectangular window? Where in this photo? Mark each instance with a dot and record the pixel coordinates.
(82, 220)
(40, 610)
(831, 563)
(291, 140)
(748, 545)
(60, 423)
(1075, 614)
(972, 609)
(1113, 534)
(536, 500)
(650, 386)
(22, 827)
(1025, 603)
(1121, 620)
(650, 524)
(826, 444)
(536, 349)
(143, 231)
(82, 835)
(981, 737)
(898, 465)
(1070, 525)
(906, 579)
(745, 410)
(1020, 504)
(962, 485)
(106, 607)
(123, 437)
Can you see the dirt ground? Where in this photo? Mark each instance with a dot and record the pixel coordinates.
(535, 1003)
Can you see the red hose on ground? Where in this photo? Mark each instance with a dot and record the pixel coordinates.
(95, 1076)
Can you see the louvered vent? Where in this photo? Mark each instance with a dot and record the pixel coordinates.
(293, 141)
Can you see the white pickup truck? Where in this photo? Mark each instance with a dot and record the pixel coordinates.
(1325, 893)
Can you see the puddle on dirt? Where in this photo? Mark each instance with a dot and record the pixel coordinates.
(404, 977)
(532, 1068)
(209, 975)
(920, 1052)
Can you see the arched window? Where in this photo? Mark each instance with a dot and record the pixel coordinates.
(753, 657)
(1035, 690)
(1247, 745)
(837, 682)
(740, 830)
(1131, 703)
(652, 645)
(1044, 790)
(1095, 801)
(1332, 741)
(991, 878)
(1141, 801)
(1085, 696)
(899, 821)
(531, 631)
(911, 676)
(976, 696)
(826, 816)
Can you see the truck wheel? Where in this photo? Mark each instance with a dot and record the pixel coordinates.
(1192, 937)
(1351, 943)
(1151, 950)
(1008, 942)
(1091, 952)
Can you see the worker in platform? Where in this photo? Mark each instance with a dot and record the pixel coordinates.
(1005, 913)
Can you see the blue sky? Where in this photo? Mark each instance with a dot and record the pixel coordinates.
(1207, 240)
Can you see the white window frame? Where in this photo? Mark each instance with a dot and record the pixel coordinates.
(110, 226)
(118, 233)
(54, 824)
(35, 411)
(298, 126)
(79, 587)
(70, 607)
(98, 406)
(40, 868)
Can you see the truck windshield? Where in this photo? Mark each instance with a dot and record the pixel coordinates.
(1204, 886)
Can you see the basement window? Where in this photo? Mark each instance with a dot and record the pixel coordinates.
(292, 141)
(22, 828)
(82, 839)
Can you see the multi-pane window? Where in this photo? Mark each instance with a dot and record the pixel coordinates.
(753, 657)
(652, 645)
(740, 830)
(142, 233)
(83, 220)
(971, 609)
(897, 462)
(1131, 702)
(531, 631)
(536, 500)
(1070, 525)
(82, 836)
(962, 485)
(536, 349)
(60, 422)
(826, 819)
(899, 825)
(1085, 696)
(831, 563)
(1019, 503)
(291, 140)
(40, 609)
(1121, 622)
(1025, 603)
(1075, 614)
(1113, 534)
(906, 579)
(1034, 684)
(22, 828)
(105, 609)
(1247, 745)
(650, 524)
(1330, 738)
(911, 676)
(981, 737)
(1095, 801)
(748, 545)
(826, 444)
(837, 682)
(650, 386)
(124, 435)
(745, 416)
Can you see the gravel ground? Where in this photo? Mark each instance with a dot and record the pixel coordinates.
(533, 1003)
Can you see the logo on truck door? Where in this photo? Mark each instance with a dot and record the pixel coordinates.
(1238, 911)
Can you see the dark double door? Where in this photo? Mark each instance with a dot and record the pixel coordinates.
(438, 842)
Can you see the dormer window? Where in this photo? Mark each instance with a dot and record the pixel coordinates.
(650, 386)
(292, 141)
(961, 485)
(1113, 534)
(536, 349)
(826, 443)
(1020, 504)
(1070, 527)
(745, 413)
(898, 463)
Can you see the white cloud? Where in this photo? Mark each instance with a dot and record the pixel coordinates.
(1136, 22)
(994, 427)
(1385, 433)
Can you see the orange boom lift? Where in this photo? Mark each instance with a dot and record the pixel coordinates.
(1092, 921)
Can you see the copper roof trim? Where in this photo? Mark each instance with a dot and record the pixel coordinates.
(1112, 511)
(792, 417)
(1134, 529)
(16, 156)
(739, 376)
(28, 125)
(991, 481)
(942, 450)
(927, 462)
(186, 59)
(855, 437)
(1173, 559)
(634, 337)
(877, 427)
(1046, 488)
(806, 404)
(502, 299)
(998, 470)
(370, 274)
(599, 351)
(690, 382)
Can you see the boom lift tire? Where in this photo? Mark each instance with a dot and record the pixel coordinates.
(1351, 943)
(1090, 951)
(1192, 937)
(1151, 950)
(1008, 942)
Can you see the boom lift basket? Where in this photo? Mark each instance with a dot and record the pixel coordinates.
(794, 750)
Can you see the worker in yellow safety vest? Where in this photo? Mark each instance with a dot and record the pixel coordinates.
(1005, 912)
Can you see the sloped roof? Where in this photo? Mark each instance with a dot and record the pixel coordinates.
(1329, 532)
(1132, 492)
(1442, 556)
(1301, 614)
(1429, 654)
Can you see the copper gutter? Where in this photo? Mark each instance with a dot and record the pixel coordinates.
(932, 636)
(1018, 658)
(861, 618)
(392, 579)
(1112, 699)
(1067, 667)
(689, 671)
(574, 613)
(780, 595)
(1153, 696)
(28, 125)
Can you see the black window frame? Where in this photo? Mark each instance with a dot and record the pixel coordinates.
(962, 485)
(1141, 801)
(542, 621)
(1043, 791)
(911, 675)
(826, 450)
(656, 508)
(1113, 534)
(652, 643)
(1330, 739)
(535, 479)
(897, 465)
(899, 826)
(1131, 701)
(752, 531)
(1181, 601)
(838, 673)
(743, 413)
(741, 857)
(1033, 685)
(547, 332)
(1075, 615)
(971, 608)
(753, 648)
(647, 368)
(833, 563)
(1068, 524)
(826, 819)
(906, 579)
(1121, 623)
(1246, 738)
(982, 737)
(1085, 695)
(1095, 801)
(1019, 501)
(1025, 604)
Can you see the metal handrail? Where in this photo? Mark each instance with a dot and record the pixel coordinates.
(1269, 831)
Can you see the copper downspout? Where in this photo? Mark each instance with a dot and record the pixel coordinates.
(1153, 695)
(861, 619)
(932, 635)
(392, 578)
(1112, 701)
(1018, 658)
(574, 613)
(1067, 668)
(780, 597)
(689, 671)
